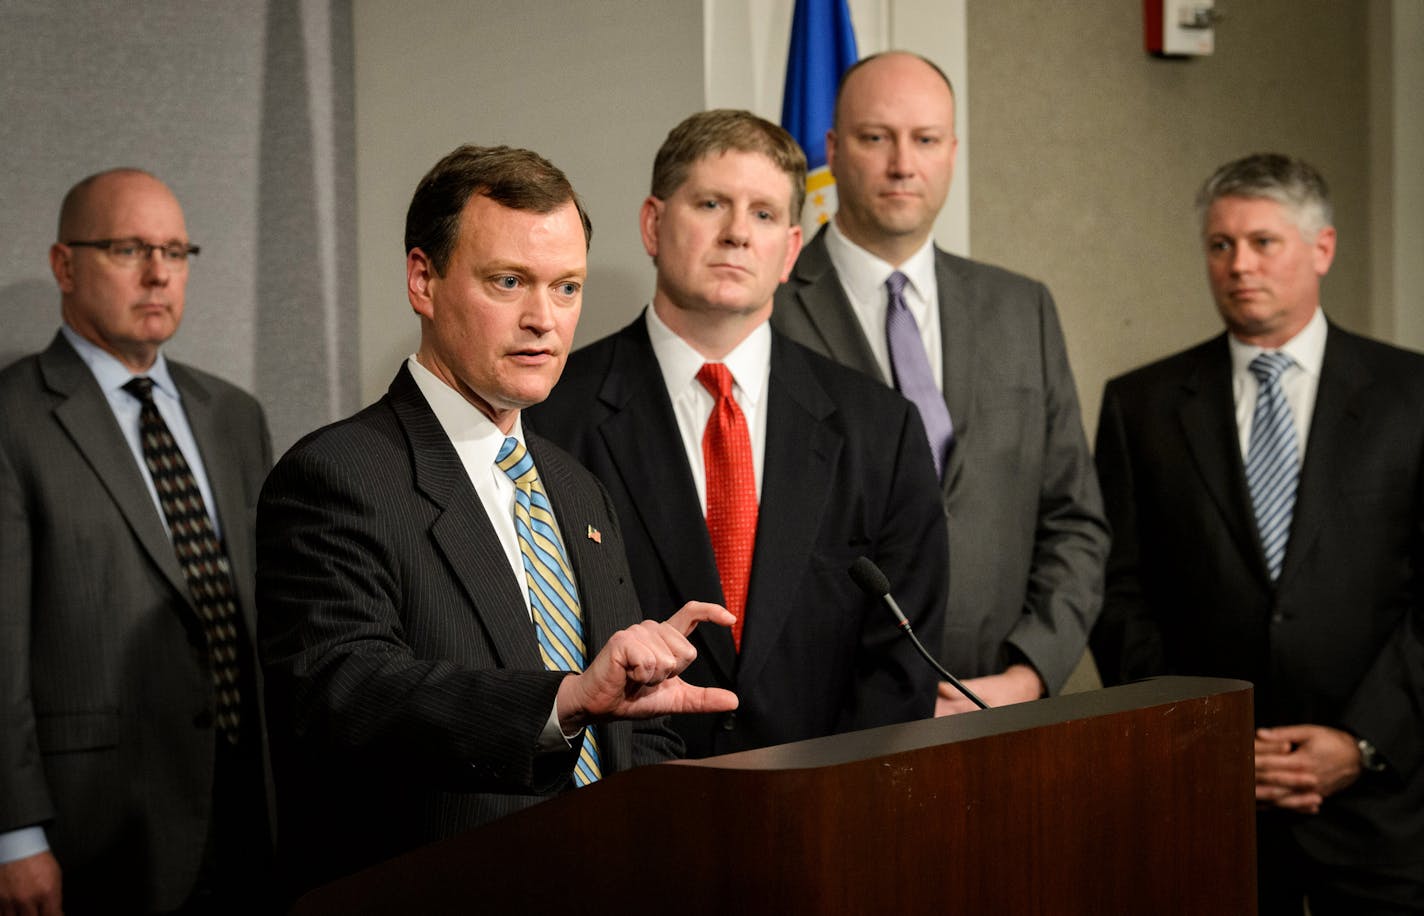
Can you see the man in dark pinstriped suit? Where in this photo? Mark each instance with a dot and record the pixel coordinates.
(408, 696)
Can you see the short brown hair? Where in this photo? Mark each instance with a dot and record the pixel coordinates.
(720, 130)
(515, 178)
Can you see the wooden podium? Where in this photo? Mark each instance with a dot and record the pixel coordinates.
(1132, 800)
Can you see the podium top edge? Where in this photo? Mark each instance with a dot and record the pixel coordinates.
(835, 750)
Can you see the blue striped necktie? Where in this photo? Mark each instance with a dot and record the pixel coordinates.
(552, 595)
(1272, 459)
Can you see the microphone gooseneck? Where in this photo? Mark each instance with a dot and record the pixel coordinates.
(873, 582)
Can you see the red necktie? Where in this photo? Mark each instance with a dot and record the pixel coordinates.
(731, 491)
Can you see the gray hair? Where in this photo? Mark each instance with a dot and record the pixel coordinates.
(1290, 182)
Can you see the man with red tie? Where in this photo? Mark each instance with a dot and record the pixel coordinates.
(699, 410)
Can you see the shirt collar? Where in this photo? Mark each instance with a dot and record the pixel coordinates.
(1306, 348)
(864, 274)
(474, 435)
(111, 374)
(680, 363)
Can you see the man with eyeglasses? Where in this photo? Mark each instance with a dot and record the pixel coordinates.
(131, 748)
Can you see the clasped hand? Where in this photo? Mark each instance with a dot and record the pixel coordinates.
(1299, 766)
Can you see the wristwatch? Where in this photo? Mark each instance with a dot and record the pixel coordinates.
(1370, 757)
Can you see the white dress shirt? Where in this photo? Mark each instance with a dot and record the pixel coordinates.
(477, 441)
(750, 366)
(863, 277)
(1299, 383)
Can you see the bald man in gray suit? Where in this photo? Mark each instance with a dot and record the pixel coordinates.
(119, 790)
(1027, 539)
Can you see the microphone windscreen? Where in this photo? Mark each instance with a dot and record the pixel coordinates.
(869, 577)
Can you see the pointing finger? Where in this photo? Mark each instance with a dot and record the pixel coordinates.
(694, 612)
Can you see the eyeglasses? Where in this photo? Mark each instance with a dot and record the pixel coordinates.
(130, 252)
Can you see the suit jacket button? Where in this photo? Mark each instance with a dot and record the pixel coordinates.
(1278, 617)
(203, 719)
(729, 722)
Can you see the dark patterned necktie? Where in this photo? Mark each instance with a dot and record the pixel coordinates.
(200, 554)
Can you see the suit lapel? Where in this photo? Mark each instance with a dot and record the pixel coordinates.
(463, 532)
(820, 295)
(1342, 381)
(225, 480)
(575, 516)
(87, 418)
(643, 441)
(798, 465)
(1207, 415)
(956, 334)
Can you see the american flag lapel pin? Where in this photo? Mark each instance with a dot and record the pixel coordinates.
(595, 535)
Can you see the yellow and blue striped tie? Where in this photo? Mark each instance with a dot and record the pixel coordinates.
(552, 594)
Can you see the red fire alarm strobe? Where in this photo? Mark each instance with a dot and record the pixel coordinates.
(1179, 28)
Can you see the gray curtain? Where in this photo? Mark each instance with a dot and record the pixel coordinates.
(245, 110)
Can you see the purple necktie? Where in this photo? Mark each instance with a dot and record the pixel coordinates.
(911, 370)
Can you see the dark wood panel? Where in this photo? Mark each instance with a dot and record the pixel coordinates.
(1136, 799)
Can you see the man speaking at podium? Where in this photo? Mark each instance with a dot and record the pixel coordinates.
(434, 584)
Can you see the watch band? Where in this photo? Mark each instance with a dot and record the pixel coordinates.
(1370, 757)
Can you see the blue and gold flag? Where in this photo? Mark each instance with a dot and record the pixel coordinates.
(822, 48)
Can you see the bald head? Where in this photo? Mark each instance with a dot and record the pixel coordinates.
(76, 213)
(898, 61)
(125, 308)
(892, 152)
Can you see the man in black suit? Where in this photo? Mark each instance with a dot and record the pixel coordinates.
(830, 465)
(434, 583)
(132, 764)
(980, 351)
(1266, 493)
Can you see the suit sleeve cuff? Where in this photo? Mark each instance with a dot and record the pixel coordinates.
(22, 843)
(552, 738)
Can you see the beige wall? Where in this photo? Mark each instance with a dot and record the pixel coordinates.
(1088, 153)
(592, 86)
(1397, 144)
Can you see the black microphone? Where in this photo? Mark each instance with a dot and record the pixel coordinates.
(873, 582)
